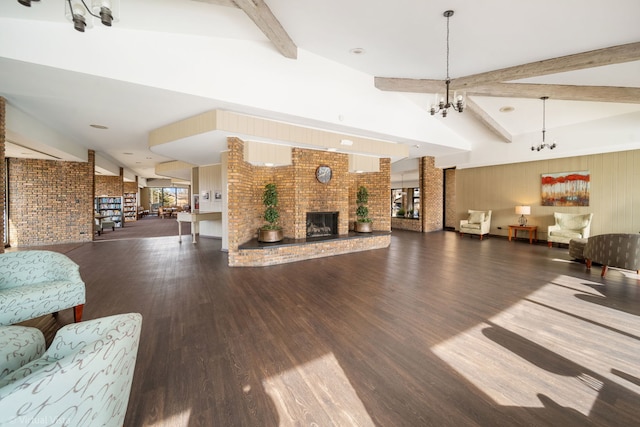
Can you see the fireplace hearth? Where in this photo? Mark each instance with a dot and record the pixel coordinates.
(322, 224)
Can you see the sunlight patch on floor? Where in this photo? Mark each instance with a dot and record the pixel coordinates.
(177, 420)
(326, 386)
(579, 345)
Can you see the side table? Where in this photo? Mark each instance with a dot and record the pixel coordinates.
(532, 229)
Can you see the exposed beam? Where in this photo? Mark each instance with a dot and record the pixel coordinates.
(409, 85)
(629, 95)
(262, 16)
(595, 58)
(264, 19)
(487, 121)
(490, 83)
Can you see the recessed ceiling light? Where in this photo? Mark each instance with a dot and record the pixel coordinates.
(346, 142)
(332, 149)
(357, 51)
(506, 109)
(95, 126)
(128, 154)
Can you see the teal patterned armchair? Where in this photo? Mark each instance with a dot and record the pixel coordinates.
(83, 379)
(34, 283)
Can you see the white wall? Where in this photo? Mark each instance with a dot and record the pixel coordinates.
(210, 182)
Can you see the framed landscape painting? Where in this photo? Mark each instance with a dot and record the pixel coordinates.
(565, 189)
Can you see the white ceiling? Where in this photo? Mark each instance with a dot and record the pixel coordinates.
(166, 60)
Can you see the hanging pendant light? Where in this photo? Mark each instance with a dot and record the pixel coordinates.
(543, 144)
(78, 12)
(443, 106)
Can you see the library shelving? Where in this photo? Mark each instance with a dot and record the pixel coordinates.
(130, 207)
(110, 208)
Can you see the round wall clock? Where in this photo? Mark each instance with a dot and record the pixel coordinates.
(323, 174)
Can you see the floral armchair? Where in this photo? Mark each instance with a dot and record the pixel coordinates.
(568, 226)
(34, 283)
(478, 222)
(83, 379)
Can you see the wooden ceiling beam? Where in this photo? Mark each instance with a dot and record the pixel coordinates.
(264, 19)
(629, 95)
(595, 58)
(409, 85)
(262, 16)
(487, 120)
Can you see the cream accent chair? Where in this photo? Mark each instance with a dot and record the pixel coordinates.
(479, 223)
(83, 379)
(568, 226)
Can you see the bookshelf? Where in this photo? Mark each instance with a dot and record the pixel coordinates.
(110, 208)
(130, 207)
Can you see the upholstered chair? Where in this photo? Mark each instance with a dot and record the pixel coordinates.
(478, 223)
(613, 250)
(83, 379)
(34, 283)
(19, 345)
(568, 226)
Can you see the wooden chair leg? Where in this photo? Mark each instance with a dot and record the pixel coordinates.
(77, 313)
(588, 263)
(604, 271)
(549, 244)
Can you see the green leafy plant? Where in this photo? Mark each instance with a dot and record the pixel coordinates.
(400, 212)
(270, 201)
(362, 198)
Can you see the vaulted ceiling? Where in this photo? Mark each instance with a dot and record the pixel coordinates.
(361, 68)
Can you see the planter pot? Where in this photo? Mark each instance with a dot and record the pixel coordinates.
(270, 236)
(363, 227)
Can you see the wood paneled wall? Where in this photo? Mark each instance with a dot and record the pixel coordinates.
(614, 192)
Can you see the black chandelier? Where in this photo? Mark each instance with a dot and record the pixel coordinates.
(77, 10)
(443, 106)
(544, 144)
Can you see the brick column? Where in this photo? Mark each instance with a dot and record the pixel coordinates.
(431, 194)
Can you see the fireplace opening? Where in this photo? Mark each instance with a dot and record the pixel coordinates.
(320, 224)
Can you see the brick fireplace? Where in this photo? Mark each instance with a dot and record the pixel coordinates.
(299, 192)
(322, 224)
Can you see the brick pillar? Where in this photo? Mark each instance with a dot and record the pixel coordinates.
(91, 159)
(431, 194)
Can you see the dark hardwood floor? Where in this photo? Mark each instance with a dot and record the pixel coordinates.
(436, 330)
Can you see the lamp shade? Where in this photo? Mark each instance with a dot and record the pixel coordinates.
(523, 210)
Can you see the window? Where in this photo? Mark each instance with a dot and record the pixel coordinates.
(405, 202)
(169, 196)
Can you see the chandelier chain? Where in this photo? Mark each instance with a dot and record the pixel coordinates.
(448, 48)
(457, 104)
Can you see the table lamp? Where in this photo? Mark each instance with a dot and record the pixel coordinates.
(522, 211)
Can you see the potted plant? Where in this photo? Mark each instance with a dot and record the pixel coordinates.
(270, 232)
(363, 222)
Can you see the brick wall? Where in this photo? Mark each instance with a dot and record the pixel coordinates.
(431, 194)
(379, 187)
(3, 128)
(406, 224)
(299, 192)
(109, 186)
(130, 187)
(50, 202)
